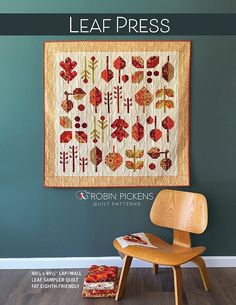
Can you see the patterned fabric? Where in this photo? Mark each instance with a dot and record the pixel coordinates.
(101, 274)
(135, 239)
(99, 293)
(116, 113)
(100, 281)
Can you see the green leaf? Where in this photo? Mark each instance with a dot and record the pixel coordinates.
(160, 104)
(160, 93)
(139, 153)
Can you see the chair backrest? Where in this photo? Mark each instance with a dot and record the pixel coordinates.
(179, 210)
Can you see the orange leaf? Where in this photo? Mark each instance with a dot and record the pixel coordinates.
(129, 153)
(129, 164)
(169, 104)
(139, 165)
(160, 104)
(169, 92)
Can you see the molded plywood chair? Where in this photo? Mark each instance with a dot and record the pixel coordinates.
(185, 213)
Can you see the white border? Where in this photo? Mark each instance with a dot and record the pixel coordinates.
(85, 262)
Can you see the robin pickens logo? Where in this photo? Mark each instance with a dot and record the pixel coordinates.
(104, 199)
(82, 195)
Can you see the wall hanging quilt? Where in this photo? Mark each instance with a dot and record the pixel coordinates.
(116, 113)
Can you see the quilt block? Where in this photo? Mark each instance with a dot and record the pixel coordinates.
(116, 113)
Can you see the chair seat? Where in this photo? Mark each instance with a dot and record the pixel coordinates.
(164, 254)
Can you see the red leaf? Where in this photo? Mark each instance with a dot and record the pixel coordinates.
(67, 105)
(137, 131)
(95, 97)
(107, 74)
(81, 137)
(152, 61)
(68, 65)
(119, 63)
(137, 62)
(66, 136)
(168, 123)
(129, 164)
(168, 71)
(119, 125)
(155, 134)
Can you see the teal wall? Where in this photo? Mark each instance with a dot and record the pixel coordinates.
(37, 222)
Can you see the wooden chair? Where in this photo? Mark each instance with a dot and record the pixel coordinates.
(185, 213)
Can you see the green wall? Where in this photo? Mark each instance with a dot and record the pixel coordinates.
(37, 222)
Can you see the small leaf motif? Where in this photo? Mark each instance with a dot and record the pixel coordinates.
(160, 104)
(129, 153)
(139, 164)
(169, 104)
(137, 62)
(139, 153)
(129, 164)
(65, 122)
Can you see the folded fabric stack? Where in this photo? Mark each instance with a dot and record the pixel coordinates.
(100, 282)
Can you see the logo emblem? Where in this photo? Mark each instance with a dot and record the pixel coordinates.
(82, 195)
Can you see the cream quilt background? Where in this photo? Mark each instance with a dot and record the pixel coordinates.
(116, 113)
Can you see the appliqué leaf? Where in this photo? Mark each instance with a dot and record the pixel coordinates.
(139, 165)
(169, 104)
(129, 153)
(169, 92)
(139, 153)
(113, 160)
(160, 104)
(65, 122)
(152, 61)
(137, 62)
(81, 137)
(137, 77)
(66, 136)
(129, 164)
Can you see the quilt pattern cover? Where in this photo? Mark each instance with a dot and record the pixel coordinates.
(116, 113)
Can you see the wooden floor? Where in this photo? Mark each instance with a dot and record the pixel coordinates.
(143, 288)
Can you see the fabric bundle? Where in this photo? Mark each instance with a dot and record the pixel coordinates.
(100, 282)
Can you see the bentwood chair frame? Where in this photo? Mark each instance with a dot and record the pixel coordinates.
(185, 213)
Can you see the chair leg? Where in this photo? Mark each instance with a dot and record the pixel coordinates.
(177, 284)
(123, 276)
(203, 271)
(155, 268)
